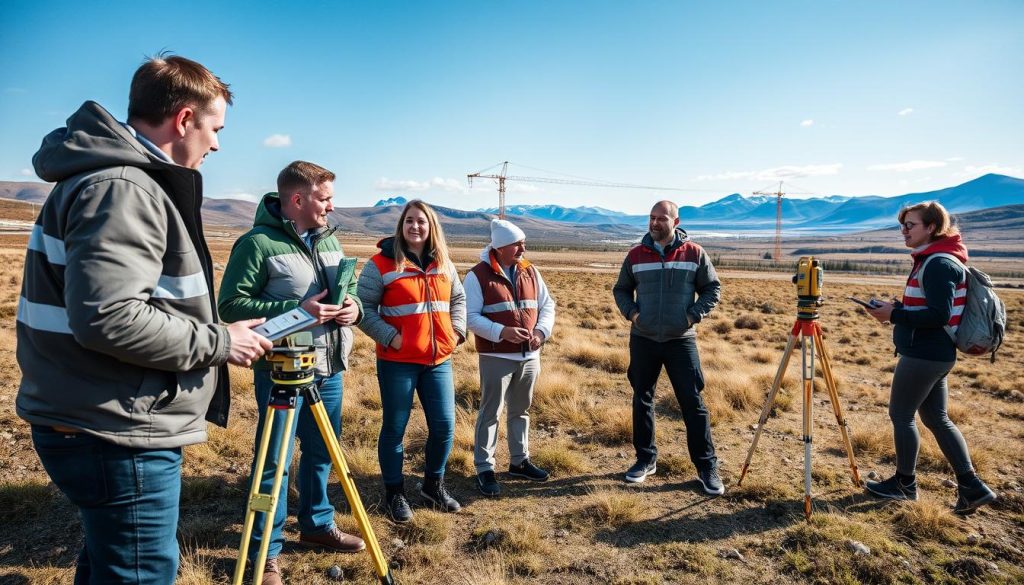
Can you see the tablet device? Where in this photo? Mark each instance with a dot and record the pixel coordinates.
(866, 304)
(285, 324)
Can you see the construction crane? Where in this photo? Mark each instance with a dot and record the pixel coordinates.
(503, 176)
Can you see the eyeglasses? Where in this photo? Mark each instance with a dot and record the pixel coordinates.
(908, 225)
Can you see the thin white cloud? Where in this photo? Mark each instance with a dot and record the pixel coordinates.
(807, 123)
(909, 166)
(448, 185)
(277, 141)
(905, 112)
(955, 159)
(27, 172)
(777, 173)
(440, 183)
(978, 170)
(15, 90)
(238, 194)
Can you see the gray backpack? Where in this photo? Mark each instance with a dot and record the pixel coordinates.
(983, 322)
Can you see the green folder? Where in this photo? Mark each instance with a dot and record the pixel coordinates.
(346, 272)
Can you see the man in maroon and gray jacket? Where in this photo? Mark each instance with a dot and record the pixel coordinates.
(511, 315)
(667, 284)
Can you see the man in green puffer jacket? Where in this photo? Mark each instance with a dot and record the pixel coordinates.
(290, 258)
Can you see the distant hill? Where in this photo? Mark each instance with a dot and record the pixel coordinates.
(28, 191)
(459, 224)
(833, 214)
(579, 215)
(997, 223)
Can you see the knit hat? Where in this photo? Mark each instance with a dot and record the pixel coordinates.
(504, 233)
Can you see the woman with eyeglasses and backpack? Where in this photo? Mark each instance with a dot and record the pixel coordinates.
(932, 302)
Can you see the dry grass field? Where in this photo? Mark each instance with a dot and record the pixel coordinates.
(585, 525)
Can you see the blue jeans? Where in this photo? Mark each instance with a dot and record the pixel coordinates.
(436, 389)
(316, 514)
(128, 502)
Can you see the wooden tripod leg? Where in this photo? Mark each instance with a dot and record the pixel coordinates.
(807, 353)
(767, 409)
(837, 407)
(351, 494)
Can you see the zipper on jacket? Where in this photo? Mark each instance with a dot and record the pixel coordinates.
(318, 271)
(430, 316)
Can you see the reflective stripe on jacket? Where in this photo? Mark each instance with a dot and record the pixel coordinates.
(416, 303)
(507, 304)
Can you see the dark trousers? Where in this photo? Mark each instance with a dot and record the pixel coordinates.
(682, 362)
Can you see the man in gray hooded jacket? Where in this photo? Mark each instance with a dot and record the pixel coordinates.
(121, 354)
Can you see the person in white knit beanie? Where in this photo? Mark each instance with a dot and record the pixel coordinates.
(511, 314)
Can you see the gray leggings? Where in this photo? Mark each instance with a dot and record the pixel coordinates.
(920, 386)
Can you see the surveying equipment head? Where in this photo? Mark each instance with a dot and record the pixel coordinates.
(808, 279)
(292, 368)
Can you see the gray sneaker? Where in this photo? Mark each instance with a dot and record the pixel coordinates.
(711, 481)
(640, 470)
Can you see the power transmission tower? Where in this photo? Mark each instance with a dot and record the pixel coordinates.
(777, 255)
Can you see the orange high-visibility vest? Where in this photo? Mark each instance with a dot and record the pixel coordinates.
(416, 302)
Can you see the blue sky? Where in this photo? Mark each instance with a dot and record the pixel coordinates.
(406, 98)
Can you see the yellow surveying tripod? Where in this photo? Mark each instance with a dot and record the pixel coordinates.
(293, 372)
(807, 332)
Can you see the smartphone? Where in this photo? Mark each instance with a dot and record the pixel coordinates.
(866, 304)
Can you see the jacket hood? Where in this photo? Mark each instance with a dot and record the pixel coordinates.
(387, 247)
(681, 238)
(92, 140)
(268, 212)
(952, 245)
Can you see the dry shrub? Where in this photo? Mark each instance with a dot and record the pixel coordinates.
(362, 460)
(196, 568)
(722, 327)
(557, 399)
(760, 489)
(426, 527)
(30, 499)
(874, 442)
(486, 570)
(613, 425)
(675, 465)
(925, 520)
(611, 509)
(585, 353)
(727, 393)
(560, 458)
(460, 462)
(762, 356)
(748, 322)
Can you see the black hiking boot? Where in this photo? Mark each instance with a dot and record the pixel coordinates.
(396, 506)
(893, 488)
(527, 470)
(435, 492)
(971, 495)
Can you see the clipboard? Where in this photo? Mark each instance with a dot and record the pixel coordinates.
(338, 289)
